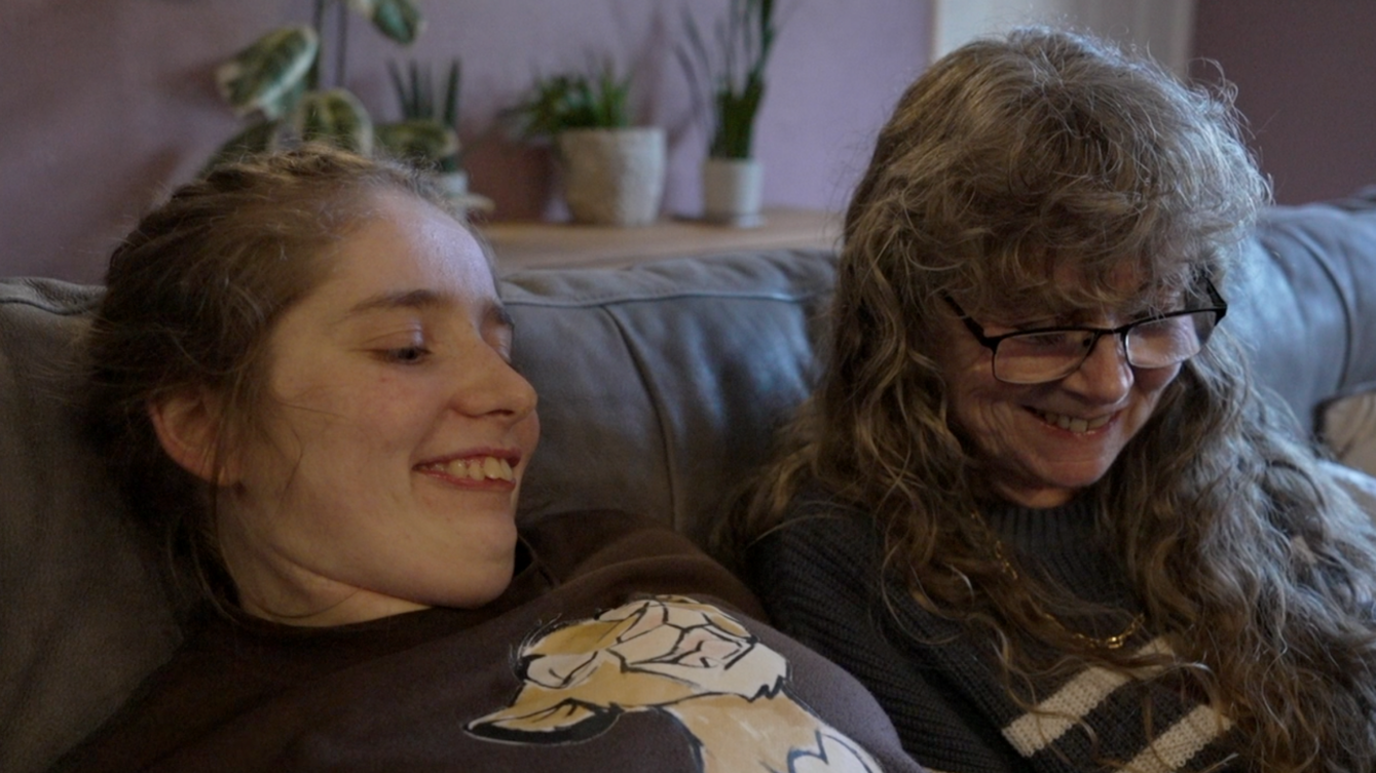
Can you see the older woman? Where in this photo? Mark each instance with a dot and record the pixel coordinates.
(1034, 505)
(301, 369)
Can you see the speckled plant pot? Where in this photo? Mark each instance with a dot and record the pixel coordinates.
(613, 176)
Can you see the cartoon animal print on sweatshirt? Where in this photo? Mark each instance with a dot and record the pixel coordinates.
(683, 658)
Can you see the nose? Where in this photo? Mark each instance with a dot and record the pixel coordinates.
(489, 386)
(1105, 376)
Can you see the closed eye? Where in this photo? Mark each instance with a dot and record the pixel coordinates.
(406, 355)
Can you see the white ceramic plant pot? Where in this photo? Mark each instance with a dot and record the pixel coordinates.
(732, 189)
(613, 176)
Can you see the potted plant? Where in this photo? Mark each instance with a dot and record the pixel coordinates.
(613, 172)
(729, 79)
(414, 136)
(275, 83)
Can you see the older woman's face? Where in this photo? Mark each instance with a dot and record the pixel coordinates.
(398, 438)
(1041, 443)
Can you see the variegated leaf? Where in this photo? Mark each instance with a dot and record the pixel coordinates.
(336, 117)
(258, 76)
(399, 20)
(418, 140)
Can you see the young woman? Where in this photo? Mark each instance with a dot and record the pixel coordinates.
(1034, 505)
(301, 369)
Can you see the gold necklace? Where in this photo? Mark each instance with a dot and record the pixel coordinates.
(1108, 643)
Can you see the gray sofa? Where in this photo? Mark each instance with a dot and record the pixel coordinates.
(660, 388)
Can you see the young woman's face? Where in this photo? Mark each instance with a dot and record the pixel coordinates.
(398, 434)
(1041, 443)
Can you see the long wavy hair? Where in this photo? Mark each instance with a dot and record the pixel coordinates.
(191, 296)
(1006, 161)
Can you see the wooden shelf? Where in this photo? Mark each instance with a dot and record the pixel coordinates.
(533, 245)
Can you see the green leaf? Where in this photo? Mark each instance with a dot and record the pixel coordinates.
(285, 102)
(336, 117)
(255, 138)
(258, 76)
(452, 84)
(733, 71)
(420, 142)
(574, 101)
(399, 20)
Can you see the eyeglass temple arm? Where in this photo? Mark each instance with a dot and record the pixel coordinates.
(971, 325)
(1216, 298)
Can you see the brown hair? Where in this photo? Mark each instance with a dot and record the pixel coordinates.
(192, 294)
(1008, 159)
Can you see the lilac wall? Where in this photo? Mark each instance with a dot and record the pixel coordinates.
(1306, 79)
(103, 105)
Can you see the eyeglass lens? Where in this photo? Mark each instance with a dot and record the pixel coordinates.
(1051, 354)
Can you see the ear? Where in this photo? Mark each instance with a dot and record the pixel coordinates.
(188, 427)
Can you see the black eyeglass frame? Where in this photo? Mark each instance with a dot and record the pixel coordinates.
(991, 343)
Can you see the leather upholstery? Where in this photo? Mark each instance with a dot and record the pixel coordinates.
(660, 386)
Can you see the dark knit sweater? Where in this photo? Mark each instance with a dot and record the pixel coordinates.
(820, 580)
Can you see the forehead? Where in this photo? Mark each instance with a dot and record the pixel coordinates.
(403, 244)
(1064, 288)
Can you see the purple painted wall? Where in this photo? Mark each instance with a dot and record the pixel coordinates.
(105, 105)
(1306, 79)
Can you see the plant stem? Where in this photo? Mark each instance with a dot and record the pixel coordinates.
(318, 23)
(341, 53)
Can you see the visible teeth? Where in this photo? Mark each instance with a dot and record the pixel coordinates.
(1073, 424)
(480, 468)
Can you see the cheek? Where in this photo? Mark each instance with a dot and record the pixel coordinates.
(1153, 382)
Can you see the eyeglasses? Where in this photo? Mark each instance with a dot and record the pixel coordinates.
(1052, 353)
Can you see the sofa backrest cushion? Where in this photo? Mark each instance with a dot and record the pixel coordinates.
(1305, 304)
(82, 616)
(661, 385)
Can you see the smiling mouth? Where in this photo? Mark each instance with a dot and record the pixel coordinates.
(1078, 426)
(475, 468)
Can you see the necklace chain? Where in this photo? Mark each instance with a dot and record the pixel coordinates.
(1107, 643)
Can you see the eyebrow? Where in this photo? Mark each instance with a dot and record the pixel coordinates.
(421, 300)
(407, 299)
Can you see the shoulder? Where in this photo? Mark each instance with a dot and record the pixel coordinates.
(822, 565)
(820, 529)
